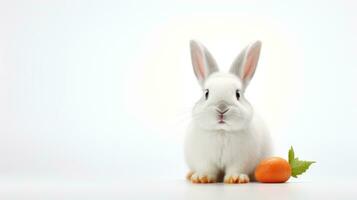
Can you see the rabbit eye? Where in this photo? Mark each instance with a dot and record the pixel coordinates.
(237, 94)
(206, 93)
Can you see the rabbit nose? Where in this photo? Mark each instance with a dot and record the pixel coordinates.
(222, 108)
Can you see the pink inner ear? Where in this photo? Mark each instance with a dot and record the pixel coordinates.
(250, 64)
(200, 65)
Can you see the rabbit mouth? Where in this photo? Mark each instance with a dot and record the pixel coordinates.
(221, 115)
(221, 119)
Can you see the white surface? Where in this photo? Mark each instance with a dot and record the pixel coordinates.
(172, 189)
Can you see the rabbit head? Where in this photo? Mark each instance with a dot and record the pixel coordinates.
(223, 105)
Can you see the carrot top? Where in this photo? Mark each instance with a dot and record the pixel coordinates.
(298, 167)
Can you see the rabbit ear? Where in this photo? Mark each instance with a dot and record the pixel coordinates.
(202, 61)
(245, 64)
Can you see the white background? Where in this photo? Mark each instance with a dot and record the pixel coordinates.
(97, 90)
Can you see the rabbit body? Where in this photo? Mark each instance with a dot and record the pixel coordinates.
(232, 153)
(225, 137)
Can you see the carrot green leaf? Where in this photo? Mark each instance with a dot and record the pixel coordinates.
(298, 167)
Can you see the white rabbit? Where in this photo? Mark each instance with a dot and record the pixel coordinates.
(225, 139)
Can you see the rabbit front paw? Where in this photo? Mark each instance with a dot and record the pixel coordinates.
(236, 178)
(201, 178)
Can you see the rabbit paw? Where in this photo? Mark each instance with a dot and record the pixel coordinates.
(189, 175)
(233, 179)
(200, 178)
